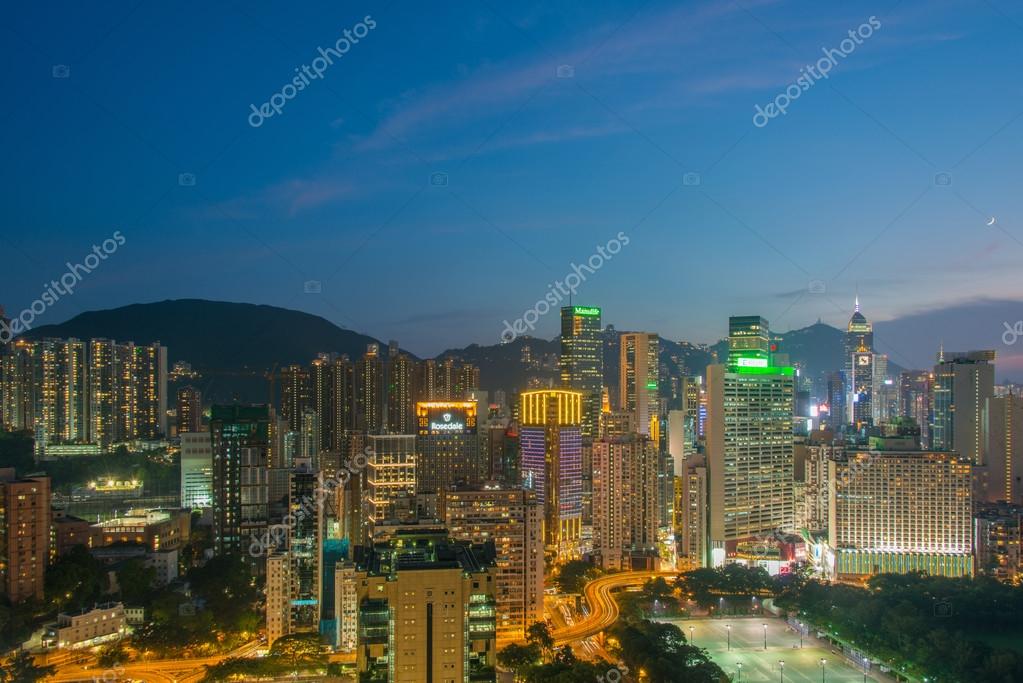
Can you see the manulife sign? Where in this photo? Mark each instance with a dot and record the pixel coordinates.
(585, 310)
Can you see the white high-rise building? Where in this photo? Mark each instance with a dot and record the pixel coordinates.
(196, 470)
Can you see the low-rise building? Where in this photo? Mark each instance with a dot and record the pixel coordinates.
(86, 628)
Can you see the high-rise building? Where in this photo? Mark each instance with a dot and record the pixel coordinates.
(816, 483)
(24, 534)
(127, 391)
(196, 470)
(626, 497)
(426, 609)
(749, 440)
(400, 372)
(915, 400)
(447, 446)
(513, 519)
(390, 478)
(321, 378)
(59, 391)
(582, 360)
(963, 382)
(1000, 477)
(296, 395)
(898, 511)
(240, 442)
(189, 412)
(68, 392)
(278, 596)
(859, 368)
(837, 399)
(638, 378)
(693, 509)
(369, 391)
(342, 404)
(550, 439)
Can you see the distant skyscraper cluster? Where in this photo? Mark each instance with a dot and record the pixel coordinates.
(68, 391)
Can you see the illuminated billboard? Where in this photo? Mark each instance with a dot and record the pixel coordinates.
(446, 417)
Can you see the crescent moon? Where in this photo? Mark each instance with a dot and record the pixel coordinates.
(992, 221)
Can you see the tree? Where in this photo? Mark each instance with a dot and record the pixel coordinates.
(135, 580)
(574, 575)
(519, 658)
(539, 634)
(662, 652)
(300, 651)
(75, 580)
(21, 668)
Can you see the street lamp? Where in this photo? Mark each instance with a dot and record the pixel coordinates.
(822, 663)
(765, 636)
(800, 634)
(781, 670)
(739, 677)
(729, 627)
(691, 635)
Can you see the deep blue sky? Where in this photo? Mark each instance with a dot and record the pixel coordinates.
(541, 169)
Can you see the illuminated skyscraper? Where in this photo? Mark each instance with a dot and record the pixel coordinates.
(893, 511)
(626, 507)
(859, 368)
(400, 370)
(513, 519)
(189, 412)
(963, 382)
(582, 360)
(915, 400)
(749, 440)
(196, 470)
(369, 391)
(322, 380)
(390, 478)
(447, 447)
(296, 395)
(127, 391)
(342, 404)
(638, 377)
(550, 439)
(240, 438)
(16, 380)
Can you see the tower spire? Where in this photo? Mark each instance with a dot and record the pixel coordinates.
(856, 309)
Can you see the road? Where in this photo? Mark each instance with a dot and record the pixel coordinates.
(603, 608)
(153, 671)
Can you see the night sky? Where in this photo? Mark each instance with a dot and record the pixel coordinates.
(459, 158)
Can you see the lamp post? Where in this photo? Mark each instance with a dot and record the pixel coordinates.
(691, 629)
(729, 627)
(822, 663)
(800, 634)
(739, 677)
(781, 670)
(765, 636)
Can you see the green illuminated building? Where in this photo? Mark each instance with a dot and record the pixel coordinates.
(582, 360)
(749, 442)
